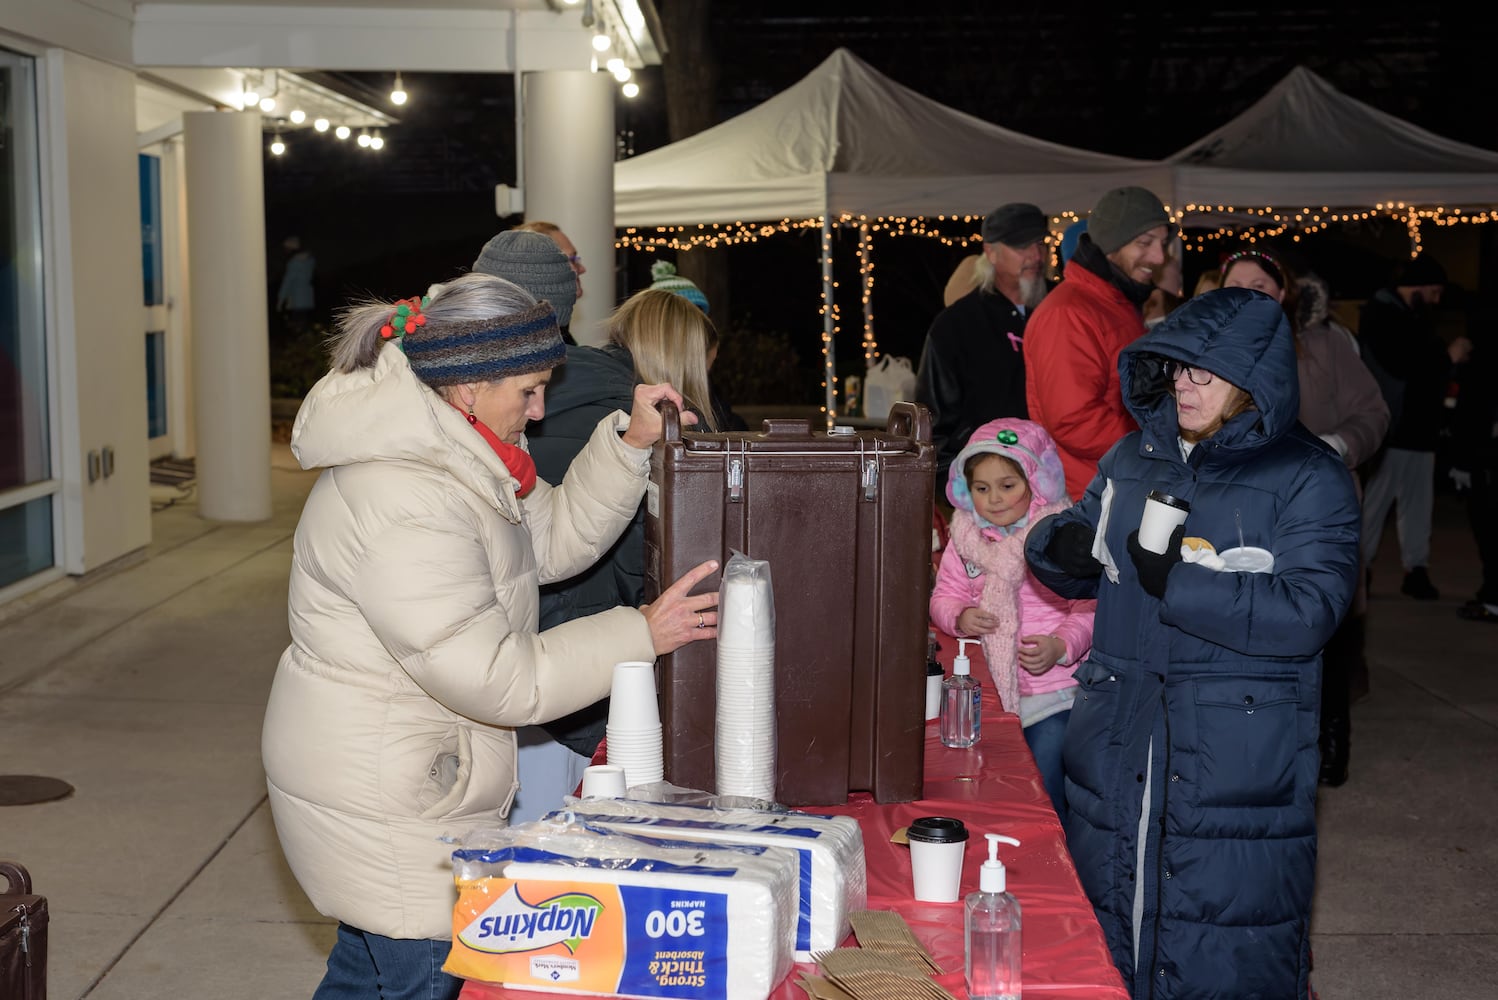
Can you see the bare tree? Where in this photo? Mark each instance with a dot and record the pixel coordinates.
(690, 68)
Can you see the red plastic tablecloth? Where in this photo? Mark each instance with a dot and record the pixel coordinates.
(992, 788)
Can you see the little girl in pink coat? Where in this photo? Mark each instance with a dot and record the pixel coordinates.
(1006, 479)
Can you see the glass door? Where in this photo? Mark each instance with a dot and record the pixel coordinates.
(27, 486)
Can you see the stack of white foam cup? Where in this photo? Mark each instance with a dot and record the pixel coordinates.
(745, 737)
(633, 731)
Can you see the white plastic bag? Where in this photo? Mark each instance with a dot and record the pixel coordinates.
(888, 381)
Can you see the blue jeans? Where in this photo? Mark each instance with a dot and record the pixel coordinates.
(365, 966)
(1044, 739)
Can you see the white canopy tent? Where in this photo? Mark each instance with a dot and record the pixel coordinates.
(1305, 144)
(847, 141)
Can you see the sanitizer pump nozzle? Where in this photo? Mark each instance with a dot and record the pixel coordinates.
(991, 876)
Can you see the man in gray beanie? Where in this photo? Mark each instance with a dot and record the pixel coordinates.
(971, 367)
(532, 261)
(1073, 339)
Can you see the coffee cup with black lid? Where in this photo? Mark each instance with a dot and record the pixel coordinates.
(937, 844)
(1163, 513)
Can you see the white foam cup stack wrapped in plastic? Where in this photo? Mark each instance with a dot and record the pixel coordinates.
(745, 734)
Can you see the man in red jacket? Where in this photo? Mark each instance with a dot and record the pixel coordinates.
(1073, 338)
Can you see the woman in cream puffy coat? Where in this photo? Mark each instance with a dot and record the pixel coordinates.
(413, 611)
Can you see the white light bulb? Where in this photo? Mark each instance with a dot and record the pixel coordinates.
(267, 104)
(277, 148)
(298, 116)
(398, 95)
(601, 42)
(623, 73)
(363, 140)
(631, 90)
(343, 131)
(613, 65)
(321, 124)
(251, 97)
(375, 142)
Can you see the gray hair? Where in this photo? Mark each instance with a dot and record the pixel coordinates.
(983, 274)
(356, 341)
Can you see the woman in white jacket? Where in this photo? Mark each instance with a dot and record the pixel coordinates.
(414, 592)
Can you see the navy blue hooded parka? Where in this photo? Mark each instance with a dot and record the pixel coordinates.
(1191, 753)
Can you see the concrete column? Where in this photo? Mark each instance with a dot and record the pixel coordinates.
(568, 137)
(231, 352)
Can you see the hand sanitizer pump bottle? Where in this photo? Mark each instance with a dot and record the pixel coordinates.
(992, 925)
(961, 702)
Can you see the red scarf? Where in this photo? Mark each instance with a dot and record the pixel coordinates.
(517, 460)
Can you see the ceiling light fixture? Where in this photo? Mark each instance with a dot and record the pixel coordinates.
(631, 90)
(398, 95)
(376, 142)
(321, 124)
(343, 131)
(277, 147)
(363, 140)
(297, 116)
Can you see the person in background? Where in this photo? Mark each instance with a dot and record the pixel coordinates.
(654, 337)
(1413, 365)
(972, 367)
(664, 278)
(1474, 467)
(1340, 403)
(533, 262)
(1190, 766)
(554, 233)
(1069, 237)
(296, 297)
(1005, 480)
(415, 648)
(1072, 341)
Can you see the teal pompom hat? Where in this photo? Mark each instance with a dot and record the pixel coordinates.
(665, 278)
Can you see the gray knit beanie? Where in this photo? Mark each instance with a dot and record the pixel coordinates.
(533, 262)
(1122, 214)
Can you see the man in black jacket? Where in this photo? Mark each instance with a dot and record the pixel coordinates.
(972, 370)
(1413, 365)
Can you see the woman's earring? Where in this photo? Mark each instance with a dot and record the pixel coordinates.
(471, 418)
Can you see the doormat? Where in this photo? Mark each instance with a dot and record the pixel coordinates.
(173, 472)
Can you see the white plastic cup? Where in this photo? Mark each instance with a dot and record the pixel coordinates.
(937, 844)
(632, 704)
(603, 781)
(1247, 559)
(1163, 513)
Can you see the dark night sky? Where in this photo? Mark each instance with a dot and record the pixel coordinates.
(1133, 82)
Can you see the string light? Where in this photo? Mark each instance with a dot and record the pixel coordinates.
(398, 94)
(343, 131)
(277, 146)
(601, 42)
(321, 124)
(630, 90)
(297, 116)
(267, 104)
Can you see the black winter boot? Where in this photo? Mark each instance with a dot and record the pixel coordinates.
(1338, 661)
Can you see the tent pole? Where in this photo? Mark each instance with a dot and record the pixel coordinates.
(829, 348)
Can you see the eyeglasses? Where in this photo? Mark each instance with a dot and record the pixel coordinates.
(1198, 376)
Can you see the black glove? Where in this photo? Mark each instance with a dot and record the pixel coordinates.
(1154, 567)
(1070, 548)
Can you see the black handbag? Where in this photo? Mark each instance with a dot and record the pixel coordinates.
(23, 937)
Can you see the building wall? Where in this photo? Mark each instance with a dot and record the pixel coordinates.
(95, 253)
